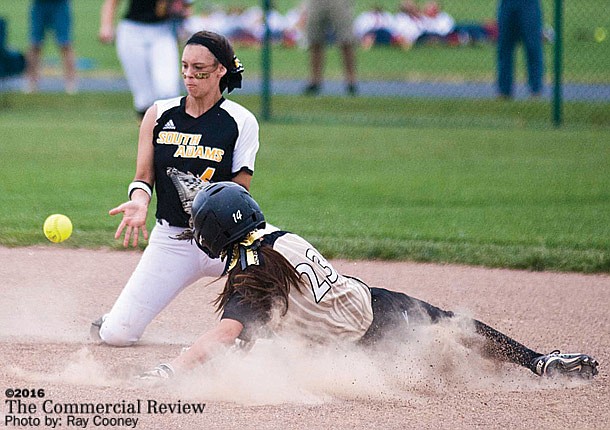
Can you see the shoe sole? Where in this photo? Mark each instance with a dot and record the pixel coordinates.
(584, 367)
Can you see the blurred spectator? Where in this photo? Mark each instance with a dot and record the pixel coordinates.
(375, 27)
(280, 27)
(519, 21)
(408, 25)
(211, 18)
(472, 33)
(294, 31)
(246, 26)
(55, 15)
(435, 23)
(147, 46)
(12, 62)
(336, 17)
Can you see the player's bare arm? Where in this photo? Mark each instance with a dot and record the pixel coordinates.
(209, 344)
(244, 179)
(145, 170)
(135, 209)
(106, 33)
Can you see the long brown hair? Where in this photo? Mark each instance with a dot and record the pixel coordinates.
(262, 286)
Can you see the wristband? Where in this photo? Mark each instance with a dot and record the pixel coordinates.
(139, 185)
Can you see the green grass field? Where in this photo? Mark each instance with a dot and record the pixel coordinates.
(502, 197)
(476, 182)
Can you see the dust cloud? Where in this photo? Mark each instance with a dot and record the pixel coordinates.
(433, 359)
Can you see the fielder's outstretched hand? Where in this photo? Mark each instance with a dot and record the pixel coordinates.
(134, 220)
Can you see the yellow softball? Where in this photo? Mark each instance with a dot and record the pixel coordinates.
(57, 228)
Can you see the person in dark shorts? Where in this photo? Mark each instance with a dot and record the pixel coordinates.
(55, 16)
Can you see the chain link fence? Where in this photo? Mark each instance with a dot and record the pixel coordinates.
(447, 77)
(436, 80)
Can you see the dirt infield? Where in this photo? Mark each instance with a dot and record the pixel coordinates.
(50, 295)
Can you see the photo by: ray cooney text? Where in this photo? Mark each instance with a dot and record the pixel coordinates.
(32, 408)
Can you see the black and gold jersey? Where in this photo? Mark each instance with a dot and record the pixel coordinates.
(215, 147)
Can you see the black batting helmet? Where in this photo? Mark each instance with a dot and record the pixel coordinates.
(223, 213)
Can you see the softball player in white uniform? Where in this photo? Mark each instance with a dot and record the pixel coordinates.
(203, 133)
(147, 46)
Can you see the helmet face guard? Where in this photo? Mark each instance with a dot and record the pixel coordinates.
(223, 213)
(204, 248)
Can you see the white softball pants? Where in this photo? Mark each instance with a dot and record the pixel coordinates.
(166, 267)
(150, 59)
